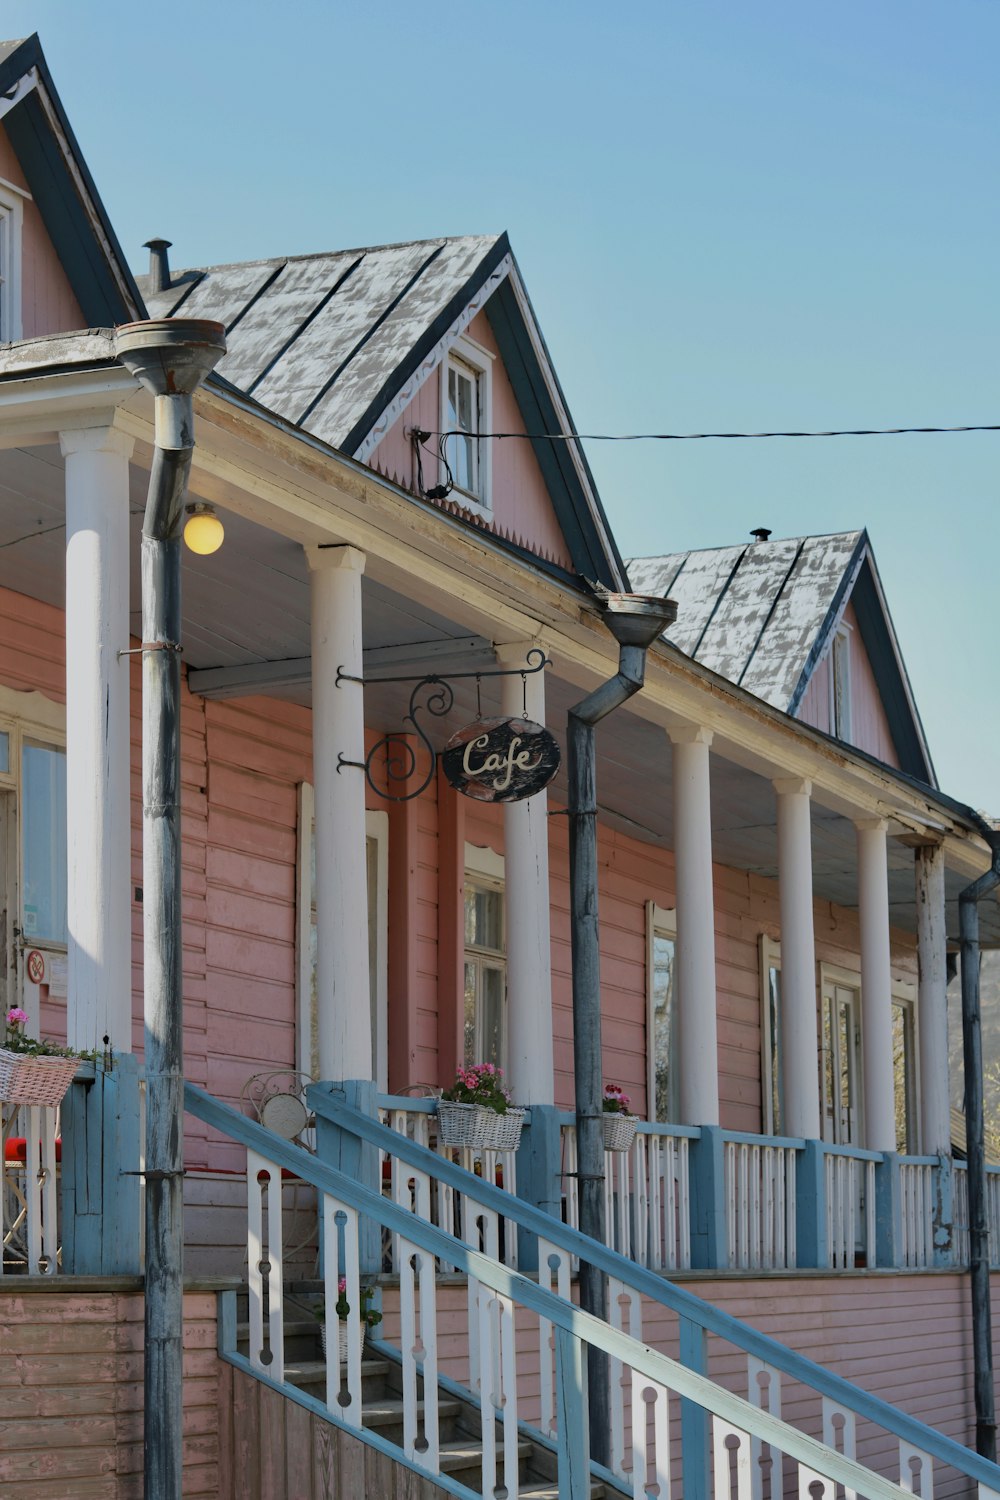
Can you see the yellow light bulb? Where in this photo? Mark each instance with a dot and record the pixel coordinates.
(203, 532)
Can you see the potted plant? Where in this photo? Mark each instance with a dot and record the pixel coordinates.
(33, 1072)
(370, 1316)
(476, 1111)
(618, 1121)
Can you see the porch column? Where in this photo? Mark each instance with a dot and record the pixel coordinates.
(876, 985)
(342, 984)
(99, 908)
(698, 1059)
(932, 1002)
(526, 898)
(799, 1042)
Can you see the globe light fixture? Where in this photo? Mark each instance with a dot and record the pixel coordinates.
(203, 531)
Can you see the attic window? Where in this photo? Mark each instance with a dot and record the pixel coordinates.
(465, 413)
(11, 218)
(840, 684)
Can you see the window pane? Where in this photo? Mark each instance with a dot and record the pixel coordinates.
(463, 417)
(43, 810)
(774, 1013)
(902, 1062)
(4, 752)
(663, 1007)
(470, 1013)
(491, 1038)
(484, 919)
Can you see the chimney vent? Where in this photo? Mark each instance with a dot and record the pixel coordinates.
(159, 265)
(760, 533)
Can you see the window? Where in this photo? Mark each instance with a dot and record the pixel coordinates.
(772, 1083)
(661, 1013)
(11, 217)
(377, 875)
(465, 413)
(841, 1041)
(485, 1025)
(904, 1068)
(43, 822)
(840, 684)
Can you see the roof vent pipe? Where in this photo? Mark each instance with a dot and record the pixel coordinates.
(170, 358)
(635, 621)
(159, 265)
(760, 533)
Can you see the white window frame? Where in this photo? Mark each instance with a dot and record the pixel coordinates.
(376, 828)
(830, 974)
(904, 996)
(484, 867)
(466, 356)
(840, 683)
(770, 1046)
(660, 922)
(11, 239)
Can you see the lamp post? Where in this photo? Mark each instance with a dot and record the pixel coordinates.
(635, 621)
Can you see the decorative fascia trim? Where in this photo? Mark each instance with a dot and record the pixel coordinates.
(24, 86)
(430, 363)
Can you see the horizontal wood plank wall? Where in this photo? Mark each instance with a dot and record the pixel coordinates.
(71, 1396)
(47, 301)
(273, 1449)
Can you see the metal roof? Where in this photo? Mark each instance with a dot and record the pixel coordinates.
(320, 339)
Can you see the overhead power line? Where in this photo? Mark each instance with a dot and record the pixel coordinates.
(693, 437)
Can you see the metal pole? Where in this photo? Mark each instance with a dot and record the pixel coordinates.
(636, 627)
(979, 1235)
(170, 359)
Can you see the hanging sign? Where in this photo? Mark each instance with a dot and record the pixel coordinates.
(501, 760)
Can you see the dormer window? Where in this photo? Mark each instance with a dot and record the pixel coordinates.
(840, 685)
(11, 217)
(465, 415)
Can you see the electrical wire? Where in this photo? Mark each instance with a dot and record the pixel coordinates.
(692, 437)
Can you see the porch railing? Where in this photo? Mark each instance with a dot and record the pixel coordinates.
(916, 1211)
(729, 1444)
(849, 1177)
(647, 1204)
(761, 1204)
(29, 1198)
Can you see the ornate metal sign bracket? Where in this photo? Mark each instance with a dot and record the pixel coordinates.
(432, 695)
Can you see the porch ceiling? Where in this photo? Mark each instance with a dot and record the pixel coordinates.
(249, 603)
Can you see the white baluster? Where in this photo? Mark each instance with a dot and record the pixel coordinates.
(813, 1486)
(640, 1197)
(337, 1263)
(869, 1170)
(553, 1277)
(916, 1471)
(33, 1186)
(732, 1462)
(50, 1195)
(624, 1312)
(480, 1231)
(764, 1392)
(732, 1204)
(650, 1440)
(683, 1206)
(499, 1390)
(264, 1256)
(840, 1433)
(418, 1340)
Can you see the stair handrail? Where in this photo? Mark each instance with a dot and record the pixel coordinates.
(564, 1316)
(325, 1100)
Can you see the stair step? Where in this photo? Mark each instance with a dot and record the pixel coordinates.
(551, 1491)
(388, 1413)
(462, 1455)
(309, 1371)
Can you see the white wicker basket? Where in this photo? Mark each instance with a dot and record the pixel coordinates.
(619, 1130)
(478, 1128)
(342, 1338)
(35, 1080)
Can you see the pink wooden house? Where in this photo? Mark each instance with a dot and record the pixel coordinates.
(778, 879)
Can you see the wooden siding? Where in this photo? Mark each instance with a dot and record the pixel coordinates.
(47, 301)
(522, 509)
(71, 1395)
(869, 723)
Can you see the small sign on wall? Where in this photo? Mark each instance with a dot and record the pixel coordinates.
(501, 760)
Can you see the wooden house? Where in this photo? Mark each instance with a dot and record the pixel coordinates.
(778, 879)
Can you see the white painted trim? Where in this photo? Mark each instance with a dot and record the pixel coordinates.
(11, 187)
(430, 363)
(660, 922)
(483, 861)
(11, 242)
(377, 828)
(769, 957)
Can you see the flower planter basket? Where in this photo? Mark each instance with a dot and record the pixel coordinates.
(342, 1338)
(619, 1130)
(479, 1128)
(35, 1080)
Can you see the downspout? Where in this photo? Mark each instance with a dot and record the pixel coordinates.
(635, 621)
(170, 359)
(979, 1235)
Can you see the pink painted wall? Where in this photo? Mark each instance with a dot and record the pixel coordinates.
(869, 725)
(522, 509)
(47, 301)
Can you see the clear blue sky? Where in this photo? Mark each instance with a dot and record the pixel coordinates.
(729, 215)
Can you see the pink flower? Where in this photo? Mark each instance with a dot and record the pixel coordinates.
(342, 1284)
(16, 1016)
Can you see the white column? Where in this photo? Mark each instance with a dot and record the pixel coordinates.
(876, 986)
(932, 1002)
(697, 1050)
(526, 896)
(342, 983)
(799, 1056)
(99, 907)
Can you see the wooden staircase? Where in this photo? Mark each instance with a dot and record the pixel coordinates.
(460, 1422)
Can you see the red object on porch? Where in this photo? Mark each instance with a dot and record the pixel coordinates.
(16, 1149)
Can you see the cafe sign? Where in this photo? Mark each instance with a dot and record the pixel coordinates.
(501, 760)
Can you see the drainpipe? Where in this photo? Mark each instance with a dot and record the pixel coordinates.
(170, 359)
(635, 621)
(979, 1235)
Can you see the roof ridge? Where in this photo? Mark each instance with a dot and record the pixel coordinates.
(279, 260)
(811, 536)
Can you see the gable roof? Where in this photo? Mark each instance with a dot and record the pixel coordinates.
(339, 343)
(764, 614)
(62, 187)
